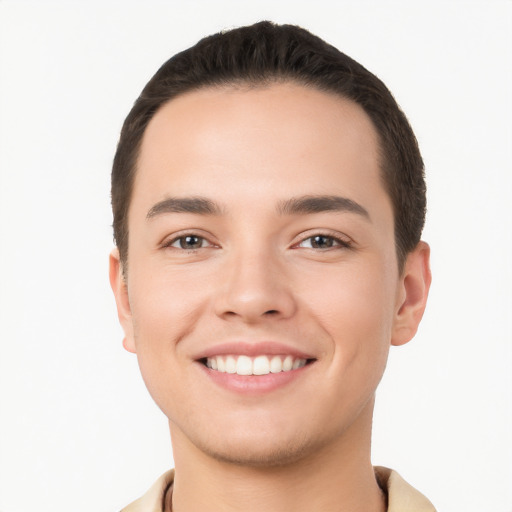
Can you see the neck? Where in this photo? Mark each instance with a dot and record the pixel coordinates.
(336, 477)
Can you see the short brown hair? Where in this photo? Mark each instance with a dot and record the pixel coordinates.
(261, 54)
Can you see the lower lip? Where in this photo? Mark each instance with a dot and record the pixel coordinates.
(254, 384)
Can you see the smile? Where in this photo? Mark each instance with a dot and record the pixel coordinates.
(259, 365)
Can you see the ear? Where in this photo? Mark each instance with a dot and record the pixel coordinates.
(412, 294)
(118, 284)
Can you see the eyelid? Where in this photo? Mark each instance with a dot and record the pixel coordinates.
(171, 239)
(344, 240)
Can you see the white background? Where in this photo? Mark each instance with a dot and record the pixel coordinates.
(78, 430)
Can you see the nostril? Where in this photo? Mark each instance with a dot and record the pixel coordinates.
(271, 312)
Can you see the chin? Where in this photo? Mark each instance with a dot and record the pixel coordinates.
(259, 444)
(258, 454)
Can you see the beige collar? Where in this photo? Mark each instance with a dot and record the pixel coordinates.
(402, 497)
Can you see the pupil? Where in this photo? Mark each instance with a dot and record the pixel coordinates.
(322, 241)
(190, 242)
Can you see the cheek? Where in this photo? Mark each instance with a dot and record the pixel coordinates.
(356, 298)
(355, 309)
(164, 310)
(164, 304)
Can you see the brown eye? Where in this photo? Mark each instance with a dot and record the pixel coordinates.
(189, 242)
(322, 242)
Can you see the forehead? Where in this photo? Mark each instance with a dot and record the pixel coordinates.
(271, 140)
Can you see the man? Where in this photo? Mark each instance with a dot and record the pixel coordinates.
(268, 199)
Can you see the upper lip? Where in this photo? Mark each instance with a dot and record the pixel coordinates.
(242, 348)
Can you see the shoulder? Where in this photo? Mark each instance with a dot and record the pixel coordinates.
(152, 500)
(402, 497)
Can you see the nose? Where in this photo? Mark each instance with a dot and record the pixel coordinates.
(254, 289)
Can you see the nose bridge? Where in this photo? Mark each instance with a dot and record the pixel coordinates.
(255, 284)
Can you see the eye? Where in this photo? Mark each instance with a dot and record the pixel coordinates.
(322, 241)
(188, 242)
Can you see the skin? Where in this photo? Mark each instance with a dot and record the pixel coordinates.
(256, 274)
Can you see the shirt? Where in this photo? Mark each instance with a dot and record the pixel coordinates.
(402, 497)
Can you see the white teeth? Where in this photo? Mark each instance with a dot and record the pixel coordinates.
(276, 365)
(287, 363)
(244, 366)
(230, 364)
(260, 365)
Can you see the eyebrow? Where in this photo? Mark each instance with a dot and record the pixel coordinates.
(319, 204)
(197, 205)
(302, 205)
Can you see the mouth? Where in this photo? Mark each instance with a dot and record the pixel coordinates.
(255, 366)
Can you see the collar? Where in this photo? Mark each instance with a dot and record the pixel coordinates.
(402, 497)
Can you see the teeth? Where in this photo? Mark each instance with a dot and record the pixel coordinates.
(230, 364)
(244, 366)
(276, 365)
(260, 365)
(287, 363)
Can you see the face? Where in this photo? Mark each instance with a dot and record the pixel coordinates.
(262, 291)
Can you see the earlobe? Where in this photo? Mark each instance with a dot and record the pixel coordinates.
(118, 285)
(415, 284)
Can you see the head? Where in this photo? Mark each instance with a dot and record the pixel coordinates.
(260, 55)
(268, 202)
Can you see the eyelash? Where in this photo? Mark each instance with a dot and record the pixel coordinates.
(335, 241)
(181, 238)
